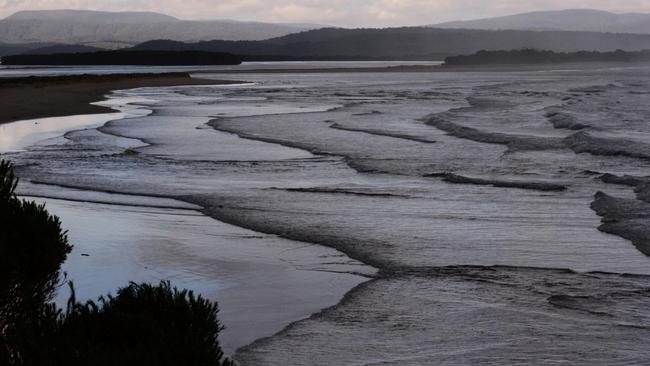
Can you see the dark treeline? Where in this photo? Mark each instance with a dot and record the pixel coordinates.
(408, 43)
(7, 49)
(61, 48)
(12, 49)
(267, 58)
(129, 57)
(405, 43)
(141, 325)
(532, 56)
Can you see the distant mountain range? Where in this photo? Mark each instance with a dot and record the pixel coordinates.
(110, 30)
(69, 31)
(409, 43)
(564, 20)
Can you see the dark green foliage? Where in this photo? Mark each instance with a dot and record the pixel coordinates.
(142, 325)
(32, 248)
(406, 43)
(8, 181)
(147, 58)
(532, 56)
(30, 340)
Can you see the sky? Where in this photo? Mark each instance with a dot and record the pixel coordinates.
(348, 13)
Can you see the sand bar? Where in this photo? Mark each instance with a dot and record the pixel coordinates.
(38, 97)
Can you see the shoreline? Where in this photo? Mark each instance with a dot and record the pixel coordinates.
(456, 291)
(316, 284)
(316, 278)
(436, 68)
(26, 98)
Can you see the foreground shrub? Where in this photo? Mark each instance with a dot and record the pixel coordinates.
(142, 325)
(32, 248)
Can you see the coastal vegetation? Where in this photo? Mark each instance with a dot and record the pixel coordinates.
(142, 324)
(32, 248)
(405, 43)
(533, 56)
(128, 57)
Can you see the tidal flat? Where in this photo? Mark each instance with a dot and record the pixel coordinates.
(343, 179)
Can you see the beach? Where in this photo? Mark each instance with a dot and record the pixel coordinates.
(39, 97)
(456, 217)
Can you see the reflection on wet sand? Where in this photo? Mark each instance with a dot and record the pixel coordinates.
(469, 197)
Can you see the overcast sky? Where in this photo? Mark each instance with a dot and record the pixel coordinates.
(334, 12)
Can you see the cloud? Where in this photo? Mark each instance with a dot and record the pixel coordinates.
(336, 12)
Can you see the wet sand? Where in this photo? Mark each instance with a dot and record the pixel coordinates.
(262, 282)
(482, 269)
(39, 97)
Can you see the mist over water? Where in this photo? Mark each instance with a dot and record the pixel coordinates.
(437, 180)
